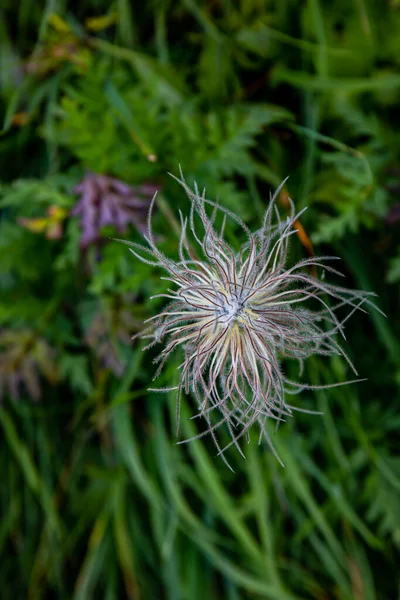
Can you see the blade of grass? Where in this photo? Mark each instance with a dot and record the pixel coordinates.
(30, 472)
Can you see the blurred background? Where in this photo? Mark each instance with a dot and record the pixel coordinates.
(99, 101)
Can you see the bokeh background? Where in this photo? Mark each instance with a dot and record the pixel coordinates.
(100, 100)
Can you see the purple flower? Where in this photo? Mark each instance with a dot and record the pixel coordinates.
(24, 360)
(108, 201)
(393, 215)
(107, 333)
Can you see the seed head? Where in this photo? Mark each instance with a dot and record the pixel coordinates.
(237, 315)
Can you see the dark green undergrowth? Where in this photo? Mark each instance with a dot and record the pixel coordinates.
(97, 499)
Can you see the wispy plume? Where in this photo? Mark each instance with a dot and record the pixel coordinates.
(237, 315)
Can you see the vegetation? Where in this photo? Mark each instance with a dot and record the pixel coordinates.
(100, 101)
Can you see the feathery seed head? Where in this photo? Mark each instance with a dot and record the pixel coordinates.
(236, 315)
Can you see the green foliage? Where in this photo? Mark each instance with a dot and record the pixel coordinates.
(385, 506)
(394, 269)
(98, 501)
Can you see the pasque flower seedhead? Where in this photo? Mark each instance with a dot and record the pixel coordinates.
(237, 315)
